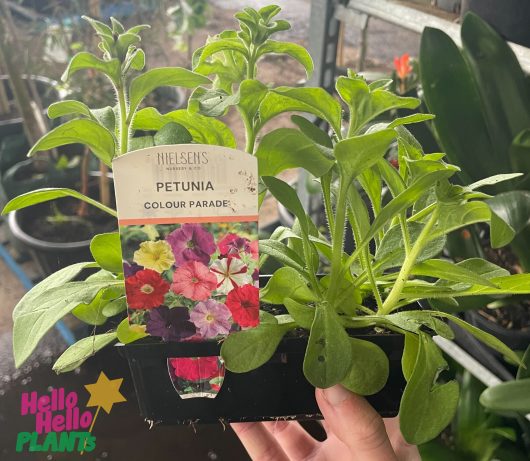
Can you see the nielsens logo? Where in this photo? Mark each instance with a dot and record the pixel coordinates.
(61, 425)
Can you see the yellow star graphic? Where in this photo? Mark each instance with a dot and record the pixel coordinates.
(105, 393)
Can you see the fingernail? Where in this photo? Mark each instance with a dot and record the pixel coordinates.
(336, 395)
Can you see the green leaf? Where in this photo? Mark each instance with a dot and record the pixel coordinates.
(410, 353)
(144, 84)
(47, 303)
(286, 148)
(82, 131)
(92, 313)
(286, 195)
(85, 60)
(302, 314)
(316, 101)
(409, 119)
(106, 250)
(205, 130)
(492, 180)
(68, 107)
(249, 349)
(45, 195)
(225, 44)
(359, 153)
(130, 333)
(328, 357)
(115, 307)
(82, 350)
(511, 396)
(369, 369)
(172, 133)
(286, 282)
(293, 50)
(137, 60)
(427, 406)
(413, 321)
(482, 336)
(211, 103)
(141, 142)
(446, 270)
(312, 131)
(513, 208)
(251, 95)
(283, 254)
(391, 250)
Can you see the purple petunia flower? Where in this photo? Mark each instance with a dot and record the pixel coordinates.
(130, 269)
(170, 324)
(211, 318)
(191, 242)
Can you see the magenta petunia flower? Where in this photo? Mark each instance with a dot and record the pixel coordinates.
(191, 242)
(233, 245)
(211, 318)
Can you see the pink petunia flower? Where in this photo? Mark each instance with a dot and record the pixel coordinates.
(194, 281)
(233, 245)
(211, 318)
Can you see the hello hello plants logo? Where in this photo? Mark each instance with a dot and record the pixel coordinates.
(60, 422)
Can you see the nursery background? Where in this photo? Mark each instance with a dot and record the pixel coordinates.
(379, 39)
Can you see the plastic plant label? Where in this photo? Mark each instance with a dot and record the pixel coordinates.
(188, 218)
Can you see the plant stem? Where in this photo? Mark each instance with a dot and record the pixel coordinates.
(408, 264)
(337, 242)
(124, 128)
(250, 134)
(325, 184)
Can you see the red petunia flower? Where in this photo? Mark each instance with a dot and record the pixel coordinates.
(145, 289)
(193, 280)
(402, 66)
(196, 369)
(243, 302)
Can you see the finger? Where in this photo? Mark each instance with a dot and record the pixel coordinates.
(356, 424)
(259, 442)
(293, 438)
(404, 450)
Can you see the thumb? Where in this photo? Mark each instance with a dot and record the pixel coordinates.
(355, 423)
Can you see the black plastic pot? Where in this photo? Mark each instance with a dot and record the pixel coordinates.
(514, 339)
(276, 390)
(49, 256)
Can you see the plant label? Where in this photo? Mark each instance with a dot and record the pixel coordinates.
(188, 218)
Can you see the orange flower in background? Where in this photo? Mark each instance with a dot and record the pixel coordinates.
(402, 66)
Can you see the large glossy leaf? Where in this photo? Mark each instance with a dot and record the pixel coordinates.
(316, 101)
(328, 357)
(247, 350)
(85, 60)
(144, 84)
(424, 397)
(286, 282)
(502, 84)
(451, 93)
(82, 131)
(286, 148)
(106, 250)
(82, 350)
(359, 153)
(513, 208)
(205, 130)
(293, 50)
(369, 368)
(45, 195)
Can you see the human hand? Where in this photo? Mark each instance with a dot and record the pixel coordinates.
(355, 432)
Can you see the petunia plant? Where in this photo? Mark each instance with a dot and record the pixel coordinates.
(399, 217)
